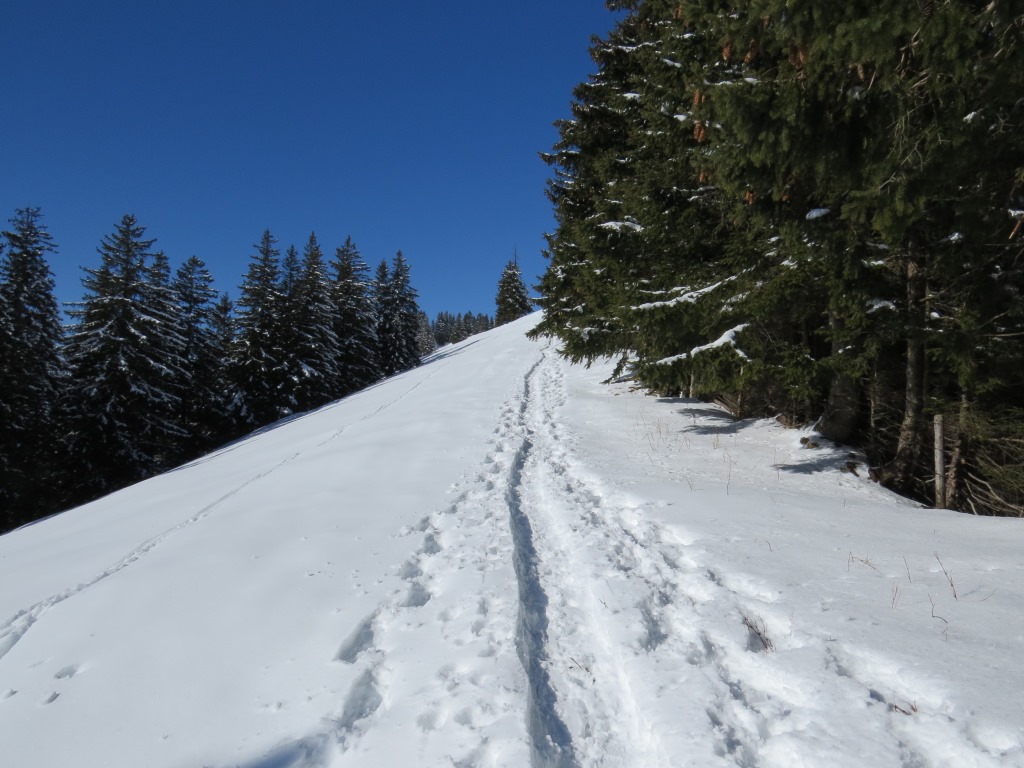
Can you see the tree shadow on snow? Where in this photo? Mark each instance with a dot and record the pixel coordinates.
(820, 455)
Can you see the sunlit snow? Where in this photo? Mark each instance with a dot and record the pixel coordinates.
(496, 560)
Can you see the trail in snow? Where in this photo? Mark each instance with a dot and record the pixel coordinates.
(615, 602)
(593, 637)
(16, 628)
(535, 571)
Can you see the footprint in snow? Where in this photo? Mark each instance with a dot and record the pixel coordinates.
(66, 672)
(359, 640)
(417, 597)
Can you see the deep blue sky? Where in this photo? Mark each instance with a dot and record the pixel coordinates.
(409, 125)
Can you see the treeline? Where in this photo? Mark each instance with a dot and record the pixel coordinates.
(812, 210)
(451, 329)
(157, 368)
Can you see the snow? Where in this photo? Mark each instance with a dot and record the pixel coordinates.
(817, 213)
(687, 296)
(618, 226)
(495, 560)
(727, 339)
(876, 305)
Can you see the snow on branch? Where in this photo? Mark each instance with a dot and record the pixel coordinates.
(690, 297)
(618, 226)
(727, 339)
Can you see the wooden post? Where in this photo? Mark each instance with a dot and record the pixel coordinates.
(940, 464)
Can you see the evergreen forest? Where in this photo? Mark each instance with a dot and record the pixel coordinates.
(153, 367)
(812, 211)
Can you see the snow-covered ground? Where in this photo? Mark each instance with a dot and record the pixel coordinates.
(494, 560)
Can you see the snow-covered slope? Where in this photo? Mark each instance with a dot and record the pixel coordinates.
(494, 560)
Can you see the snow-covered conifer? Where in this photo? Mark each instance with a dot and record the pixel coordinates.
(512, 300)
(120, 394)
(31, 369)
(259, 364)
(355, 322)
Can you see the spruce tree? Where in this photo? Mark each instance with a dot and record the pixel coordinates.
(512, 300)
(120, 389)
(443, 327)
(407, 314)
(315, 345)
(202, 408)
(385, 311)
(289, 333)
(231, 422)
(355, 322)
(397, 316)
(793, 209)
(166, 345)
(32, 371)
(259, 364)
(426, 344)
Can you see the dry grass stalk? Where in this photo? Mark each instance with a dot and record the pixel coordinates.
(949, 576)
(758, 629)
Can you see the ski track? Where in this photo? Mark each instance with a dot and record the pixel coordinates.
(22, 622)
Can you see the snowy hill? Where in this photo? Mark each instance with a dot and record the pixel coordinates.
(494, 560)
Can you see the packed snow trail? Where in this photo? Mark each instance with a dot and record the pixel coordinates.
(495, 560)
(599, 722)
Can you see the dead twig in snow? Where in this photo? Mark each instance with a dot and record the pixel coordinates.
(945, 631)
(760, 631)
(584, 669)
(863, 560)
(949, 576)
(910, 709)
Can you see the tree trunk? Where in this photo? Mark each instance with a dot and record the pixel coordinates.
(842, 411)
(899, 472)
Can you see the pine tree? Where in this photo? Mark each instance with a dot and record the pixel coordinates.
(355, 322)
(118, 396)
(32, 371)
(426, 344)
(512, 300)
(793, 208)
(259, 364)
(384, 302)
(315, 346)
(231, 422)
(443, 327)
(202, 409)
(406, 312)
(289, 333)
(397, 317)
(166, 345)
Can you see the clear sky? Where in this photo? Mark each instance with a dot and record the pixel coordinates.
(409, 125)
